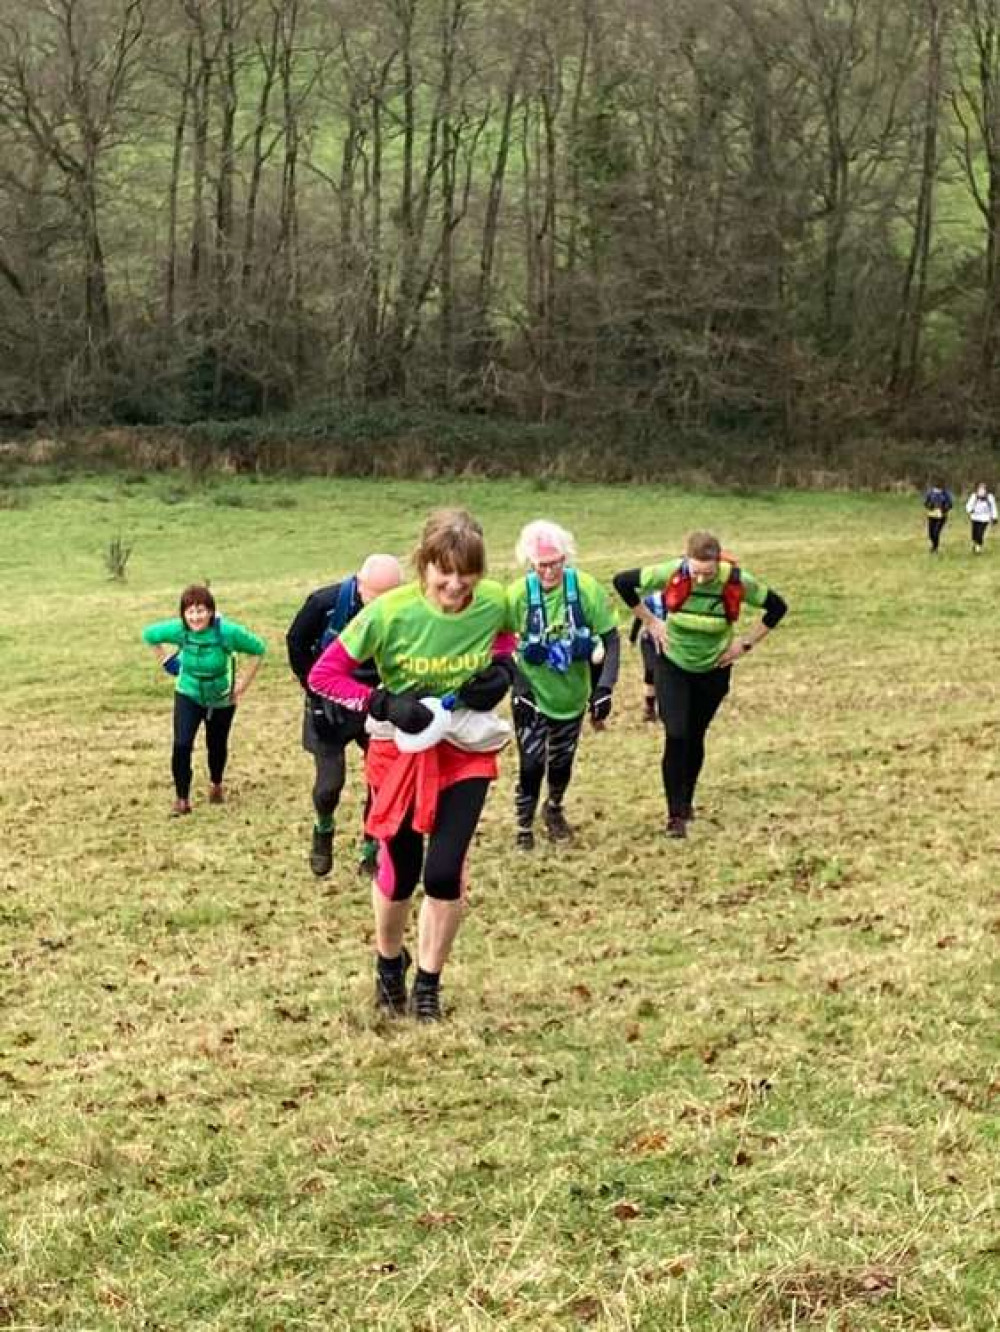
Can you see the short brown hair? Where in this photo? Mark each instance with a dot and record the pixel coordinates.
(453, 540)
(703, 546)
(196, 595)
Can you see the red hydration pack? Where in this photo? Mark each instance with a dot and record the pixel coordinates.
(678, 589)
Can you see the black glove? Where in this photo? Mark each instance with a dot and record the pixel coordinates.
(600, 704)
(487, 688)
(404, 710)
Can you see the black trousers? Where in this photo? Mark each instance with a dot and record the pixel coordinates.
(188, 716)
(935, 526)
(687, 702)
(458, 810)
(978, 532)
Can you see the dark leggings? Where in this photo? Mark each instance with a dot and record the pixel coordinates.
(402, 858)
(329, 751)
(978, 532)
(650, 652)
(188, 716)
(935, 526)
(543, 744)
(687, 702)
(331, 773)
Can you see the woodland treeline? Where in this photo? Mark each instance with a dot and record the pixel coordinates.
(712, 214)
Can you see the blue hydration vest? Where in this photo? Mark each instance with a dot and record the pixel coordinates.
(340, 613)
(577, 644)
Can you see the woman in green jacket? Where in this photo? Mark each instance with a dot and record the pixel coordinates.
(208, 687)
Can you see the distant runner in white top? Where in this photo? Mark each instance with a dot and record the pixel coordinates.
(981, 506)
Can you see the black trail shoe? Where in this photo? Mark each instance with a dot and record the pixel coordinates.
(676, 826)
(390, 984)
(555, 823)
(321, 855)
(525, 839)
(425, 1002)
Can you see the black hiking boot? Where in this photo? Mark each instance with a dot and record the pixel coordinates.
(525, 839)
(425, 1001)
(390, 984)
(555, 823)
(321, 855)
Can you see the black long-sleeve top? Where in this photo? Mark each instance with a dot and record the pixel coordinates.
(305, 634)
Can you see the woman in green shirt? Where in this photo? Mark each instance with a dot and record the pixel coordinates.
(566, 628)
(698, 643)
(208, 688)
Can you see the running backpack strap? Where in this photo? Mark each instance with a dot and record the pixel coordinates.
(578, 629)
(733, 593)
(340, 613)
(678, 587)
(536, 623)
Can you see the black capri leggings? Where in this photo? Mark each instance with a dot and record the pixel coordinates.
(458, 811)
(188, 716)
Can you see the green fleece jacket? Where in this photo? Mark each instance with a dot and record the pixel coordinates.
(206, 673)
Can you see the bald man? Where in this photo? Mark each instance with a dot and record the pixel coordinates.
(328, 729)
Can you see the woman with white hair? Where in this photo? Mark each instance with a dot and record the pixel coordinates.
(566, 627)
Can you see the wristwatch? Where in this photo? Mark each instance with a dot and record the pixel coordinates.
(747, 645)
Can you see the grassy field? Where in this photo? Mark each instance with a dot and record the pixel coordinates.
(747, 1081)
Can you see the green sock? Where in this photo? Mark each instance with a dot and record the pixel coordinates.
(324, 823)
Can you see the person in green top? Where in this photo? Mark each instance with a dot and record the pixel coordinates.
(442, 647)
(567, 660)
(208, 688)
(698, 644)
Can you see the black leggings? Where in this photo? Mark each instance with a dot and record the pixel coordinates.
(935, 526)
(458, 811)
(978, 532)
(188, 716)
(543, 744)
(650, 652)
(687, 702)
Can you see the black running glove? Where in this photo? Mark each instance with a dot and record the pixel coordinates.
(404, 710)
(600, 704)
(488, 687)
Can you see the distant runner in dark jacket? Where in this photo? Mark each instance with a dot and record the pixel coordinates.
(938, 503)
(327, 728)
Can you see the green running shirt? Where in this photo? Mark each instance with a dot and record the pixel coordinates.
(699, 633)
(561, 695)
(416, 646)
